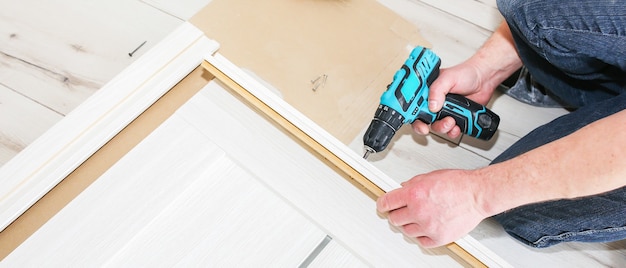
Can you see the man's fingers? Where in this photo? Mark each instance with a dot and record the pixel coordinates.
(447, 126)
(390, 201)
(420, 127)
(400, 217)
(437, 93)
(413, 230)
(427, 242)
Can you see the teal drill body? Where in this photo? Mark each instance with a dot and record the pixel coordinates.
(406, 100)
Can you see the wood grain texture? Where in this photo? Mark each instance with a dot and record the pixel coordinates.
(183, 10)
(48, 46)
(335, 255)
(475, 12)
(76, 182)
(452, 38)
(32, 173)
(58, 53)
(17, 129)
(173, 209)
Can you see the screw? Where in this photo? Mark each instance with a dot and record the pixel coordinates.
(316, 79)
(317, 83)
(131, 54)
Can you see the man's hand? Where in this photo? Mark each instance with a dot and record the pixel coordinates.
(464, 79)
(436, 208)
(476, 79)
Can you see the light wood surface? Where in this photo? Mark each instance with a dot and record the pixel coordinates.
(55, 54)
(41, 166)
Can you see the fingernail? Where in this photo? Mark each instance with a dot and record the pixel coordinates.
(432, 105)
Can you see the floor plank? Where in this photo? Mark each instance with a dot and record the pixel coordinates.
(57, 53)
(475, 12)
(183, 10)
(21, 122)
(452, 38)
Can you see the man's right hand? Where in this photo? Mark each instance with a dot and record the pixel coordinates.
(464, 79)
(476, 79)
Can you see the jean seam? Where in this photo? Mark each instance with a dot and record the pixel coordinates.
(584, 31)
(545, 240)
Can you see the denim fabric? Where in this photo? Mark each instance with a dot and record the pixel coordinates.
(577, 51)
(590, 219)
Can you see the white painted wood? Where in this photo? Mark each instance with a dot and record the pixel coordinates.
(32, 173)
(174, 194)
(518, 118)
(476, 12)
(182, 9)
(335, 255)
(452, 38)
(225, 218)
(309, 185)
(60, 52)
(353, 159)
(17, 130)
(175, 199)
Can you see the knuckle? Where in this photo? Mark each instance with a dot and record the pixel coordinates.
(382, 203)
(415, 194)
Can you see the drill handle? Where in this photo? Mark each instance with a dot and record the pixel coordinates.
(474, 119)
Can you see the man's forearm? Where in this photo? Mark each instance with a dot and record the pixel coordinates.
(590, 161)
(497, 58)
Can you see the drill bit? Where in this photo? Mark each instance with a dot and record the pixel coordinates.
(368, 151)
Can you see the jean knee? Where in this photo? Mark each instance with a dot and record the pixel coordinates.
(508, 8)
(523, 15)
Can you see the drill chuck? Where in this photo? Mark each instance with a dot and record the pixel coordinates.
(382, 129)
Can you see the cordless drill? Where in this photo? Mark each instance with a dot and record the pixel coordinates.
(406, 99)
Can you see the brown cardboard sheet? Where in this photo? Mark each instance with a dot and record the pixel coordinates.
(358, 45)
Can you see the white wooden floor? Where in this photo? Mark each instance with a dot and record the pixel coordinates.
(55, 54)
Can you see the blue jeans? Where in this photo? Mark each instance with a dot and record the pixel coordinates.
(577, 51)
